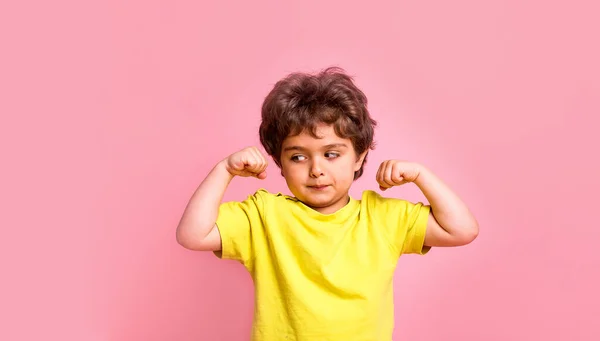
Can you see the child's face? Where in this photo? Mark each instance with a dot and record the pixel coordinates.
(320, 171)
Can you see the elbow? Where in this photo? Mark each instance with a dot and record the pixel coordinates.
(192, 240)
(181, 238)
(185, 239)
(464, 235)
(189, 243)
(470, 233)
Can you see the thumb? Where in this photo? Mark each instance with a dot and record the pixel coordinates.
(262, 175)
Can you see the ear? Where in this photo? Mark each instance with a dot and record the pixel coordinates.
(360, 160)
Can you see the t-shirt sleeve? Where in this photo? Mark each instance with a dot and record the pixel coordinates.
(415, 220)
(404, 223)
(238, 223)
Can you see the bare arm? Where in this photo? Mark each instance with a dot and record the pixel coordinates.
(197, 229)
(450, 222)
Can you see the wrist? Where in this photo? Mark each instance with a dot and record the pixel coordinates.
(423, 174)
(222, 167)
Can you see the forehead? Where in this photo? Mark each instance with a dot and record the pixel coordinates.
(325, 136)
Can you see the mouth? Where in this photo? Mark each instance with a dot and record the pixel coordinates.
(318, 187)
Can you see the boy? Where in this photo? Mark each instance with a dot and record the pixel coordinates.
(322, 262)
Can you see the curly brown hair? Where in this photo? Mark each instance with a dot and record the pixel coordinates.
(301, 101)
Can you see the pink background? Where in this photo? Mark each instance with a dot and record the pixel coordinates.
(113, 111)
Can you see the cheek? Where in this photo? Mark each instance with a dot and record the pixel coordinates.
(292, 172)
(345, 170)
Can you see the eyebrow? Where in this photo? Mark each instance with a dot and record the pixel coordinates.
(329, 146)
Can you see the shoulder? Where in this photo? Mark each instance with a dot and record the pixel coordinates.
(370, 197)
(265, 194)
(249, 206)
(263, 198)
(375, 202)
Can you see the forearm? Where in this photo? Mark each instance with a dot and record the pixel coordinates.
(202, 210)
(450, 212)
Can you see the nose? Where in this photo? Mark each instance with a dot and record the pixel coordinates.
(316, 170)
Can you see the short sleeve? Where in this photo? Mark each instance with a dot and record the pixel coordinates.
(238, 222)
(404, 223)
(415, 220)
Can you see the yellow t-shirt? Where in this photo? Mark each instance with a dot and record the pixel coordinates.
(317, 276)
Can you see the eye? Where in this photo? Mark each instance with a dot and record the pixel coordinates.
(298, 158)
(331, 155)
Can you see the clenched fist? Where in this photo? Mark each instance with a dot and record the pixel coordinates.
(247, 162)
(396, 173)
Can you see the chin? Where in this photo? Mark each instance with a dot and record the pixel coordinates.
(321, 201)
(317, 202)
